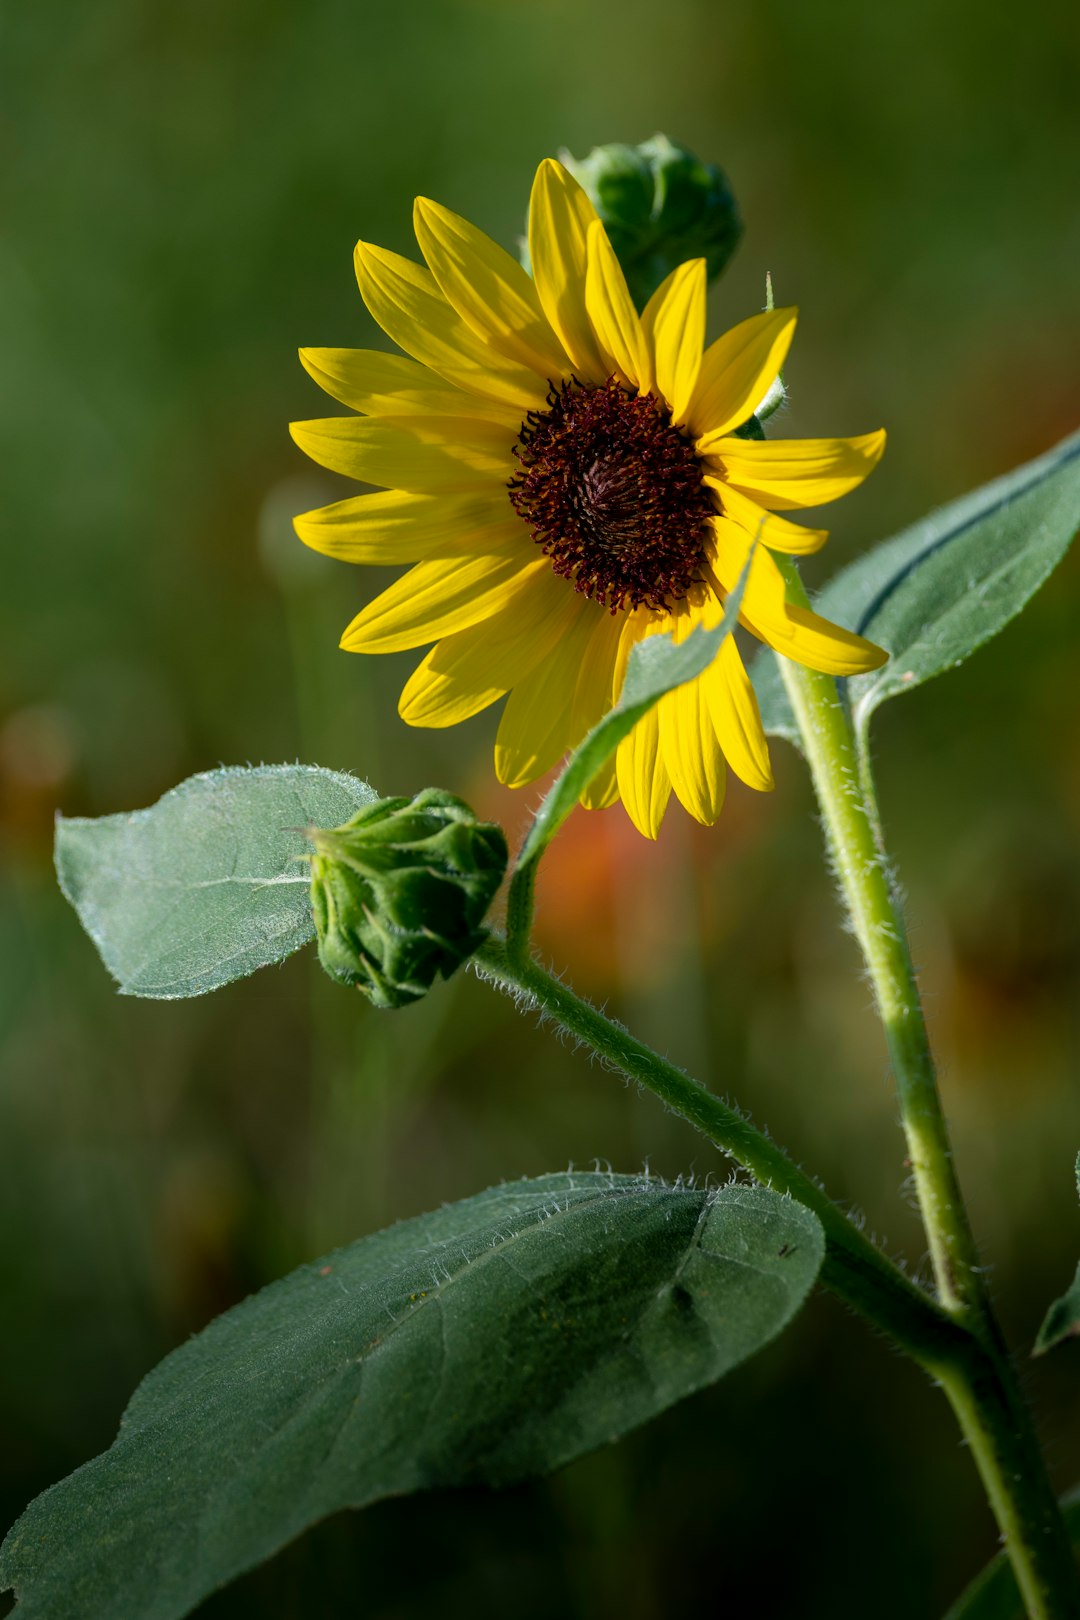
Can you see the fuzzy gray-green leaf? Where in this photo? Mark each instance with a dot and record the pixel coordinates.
(208, 884)
(493, 1340)
(938, 591)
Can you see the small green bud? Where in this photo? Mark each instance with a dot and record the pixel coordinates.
(660, 206)
(400, 892)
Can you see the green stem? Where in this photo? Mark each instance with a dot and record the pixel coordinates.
(855, 1269)
(862, 870)
(992, 1595)
(520, 906)
(982, 1384)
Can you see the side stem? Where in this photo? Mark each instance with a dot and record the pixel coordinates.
(982, 1385)
(855, 1269)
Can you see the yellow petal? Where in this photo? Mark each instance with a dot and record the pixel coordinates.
(490, 291)
(797, 632)
(537, 725)
(406, 301)
(395, 527)
(688, 739)
(733, 709)
(612, 313)
(633, 628)
(728, 546)
(594, 696)
(775, 532)
(644, 783)
(782, 473)
(594, 693)
(603, 791)
(466, 672)
(390, 385)
(738, 370)
(822, 645)
(422, 454)
(443, 596)
(674, 323)
(559, 218)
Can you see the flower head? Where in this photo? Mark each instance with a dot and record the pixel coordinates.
(566, 478)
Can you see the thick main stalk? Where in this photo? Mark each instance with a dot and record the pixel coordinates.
(981, 1384)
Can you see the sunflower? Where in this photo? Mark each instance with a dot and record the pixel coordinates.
(566, 477)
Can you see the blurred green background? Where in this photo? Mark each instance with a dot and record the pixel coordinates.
(181, 190)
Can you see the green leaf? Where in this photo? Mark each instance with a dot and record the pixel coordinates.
(207, 885)
(493, 1340)
(1062, 1320)
(994, 1594)
(655, 666)
(938, 591)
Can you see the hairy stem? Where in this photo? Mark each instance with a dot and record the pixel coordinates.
(855, 1268)
(981, 1384)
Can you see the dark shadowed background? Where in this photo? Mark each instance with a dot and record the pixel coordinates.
(181, 191)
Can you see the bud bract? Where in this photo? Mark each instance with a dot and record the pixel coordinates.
(399, 893)
(660, 206)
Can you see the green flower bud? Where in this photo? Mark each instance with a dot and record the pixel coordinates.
(400, 892)
(660, 206)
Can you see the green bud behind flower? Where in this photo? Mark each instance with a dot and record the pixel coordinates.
(399, 893)
(660, 206)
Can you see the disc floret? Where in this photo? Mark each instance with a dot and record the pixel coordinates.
(613, 493)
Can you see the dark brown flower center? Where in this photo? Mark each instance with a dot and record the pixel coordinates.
(613, 494)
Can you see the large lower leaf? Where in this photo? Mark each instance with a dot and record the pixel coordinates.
(492, 1340)
(936, 592)
(209, 883)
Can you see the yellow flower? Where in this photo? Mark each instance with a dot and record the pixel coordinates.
(565, 477)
